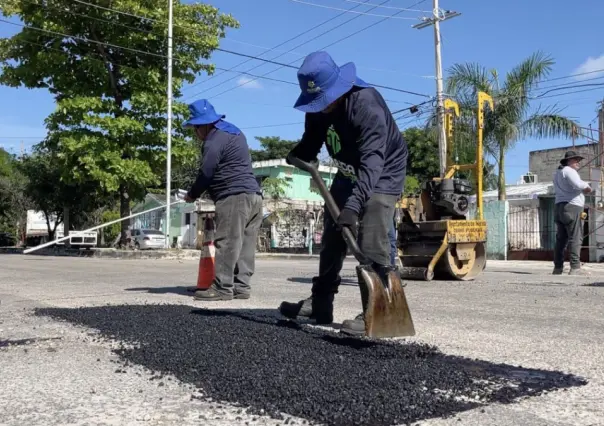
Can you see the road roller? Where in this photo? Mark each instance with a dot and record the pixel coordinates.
(436, 238)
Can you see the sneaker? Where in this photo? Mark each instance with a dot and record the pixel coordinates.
(558, 271)
(355, 327)
(319, 308)
(578, 271)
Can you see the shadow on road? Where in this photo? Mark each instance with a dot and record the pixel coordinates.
(306, 280)
(183, 291)
(594, 285)
(256, 360)
(507, 271)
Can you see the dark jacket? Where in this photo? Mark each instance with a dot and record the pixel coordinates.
(365, 143)
(226, 166)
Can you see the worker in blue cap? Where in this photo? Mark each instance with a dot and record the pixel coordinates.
(226, 174)
(367, 147)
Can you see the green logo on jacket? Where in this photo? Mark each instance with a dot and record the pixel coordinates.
(333, 141)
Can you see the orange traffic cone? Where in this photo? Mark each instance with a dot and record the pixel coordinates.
(207, 269)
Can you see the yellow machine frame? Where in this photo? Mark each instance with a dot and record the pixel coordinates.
(463, 235)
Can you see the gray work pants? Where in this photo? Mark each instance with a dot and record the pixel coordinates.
(569, 232)
(238, 219)
(373, 240)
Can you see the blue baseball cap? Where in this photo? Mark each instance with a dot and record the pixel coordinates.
(322, 81)
(202, 112)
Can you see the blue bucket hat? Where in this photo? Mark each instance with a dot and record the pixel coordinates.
(202, 112)
(322, 81)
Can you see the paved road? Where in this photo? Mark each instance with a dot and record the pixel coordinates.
(57, 373)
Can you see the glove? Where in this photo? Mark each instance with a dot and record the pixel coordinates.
(350, 219)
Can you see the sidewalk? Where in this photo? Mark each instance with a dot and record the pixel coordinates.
(142, 254)
(185, 254)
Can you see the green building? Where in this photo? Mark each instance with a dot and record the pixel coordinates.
(182, 215)
(300, 185)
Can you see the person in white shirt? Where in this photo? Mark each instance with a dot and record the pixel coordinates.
(570, 192)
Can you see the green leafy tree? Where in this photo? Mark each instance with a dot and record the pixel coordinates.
(275, 188)
(52, 195)
(412, 186)
(423, 163)
(14, 201)
(513, 117)
(108, 74)
(272, 148)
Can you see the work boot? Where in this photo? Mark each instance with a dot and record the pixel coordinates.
(355, 327)
(237, 295)
(557, 271)
(317, 307)
(211, 295)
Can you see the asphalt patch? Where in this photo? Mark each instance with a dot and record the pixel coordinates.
(253, 359)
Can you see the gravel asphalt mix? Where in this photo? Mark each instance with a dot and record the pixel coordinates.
(120, 342)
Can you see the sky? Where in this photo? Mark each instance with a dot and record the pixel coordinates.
(496, 34)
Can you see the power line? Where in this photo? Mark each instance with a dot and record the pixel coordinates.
(282, 65)
(350, 11)
(406, 9)
(272, 125)
(103, 61)
(329, 45)
(164, 56)
(576, 75)
(87, 40)
(278, 56)
(279, 45)
(268, 49)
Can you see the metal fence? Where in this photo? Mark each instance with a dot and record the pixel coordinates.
(531, 228)
(291, 233)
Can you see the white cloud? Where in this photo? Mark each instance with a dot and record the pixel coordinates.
(590, 66)
(249, 83)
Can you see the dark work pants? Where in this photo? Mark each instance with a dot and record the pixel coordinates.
(569, 232)
(373, 240)
(392, 238)
(238, 219)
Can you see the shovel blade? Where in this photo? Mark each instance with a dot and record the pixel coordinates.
(387, 313)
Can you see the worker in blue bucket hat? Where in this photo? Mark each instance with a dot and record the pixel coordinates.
(368, 149)
(226, 174)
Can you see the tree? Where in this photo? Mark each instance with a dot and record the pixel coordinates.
(512, 118)
(275, 188)
(13, 197)
(423, 162)
(52, 195)
(272, 148)
(107, 71)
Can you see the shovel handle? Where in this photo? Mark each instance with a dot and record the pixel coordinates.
(332, 207)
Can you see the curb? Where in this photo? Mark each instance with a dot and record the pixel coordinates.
(142, 254)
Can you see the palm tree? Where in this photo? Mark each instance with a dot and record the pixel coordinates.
(512, 118)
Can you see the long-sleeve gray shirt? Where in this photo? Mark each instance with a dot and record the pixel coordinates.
(569, 186)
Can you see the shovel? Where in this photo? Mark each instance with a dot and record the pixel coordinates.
(384, 303)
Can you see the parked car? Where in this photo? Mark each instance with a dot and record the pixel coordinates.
(145, 239)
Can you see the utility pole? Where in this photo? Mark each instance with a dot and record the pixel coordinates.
(601, 135)
(437, 16)
(169, 127)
